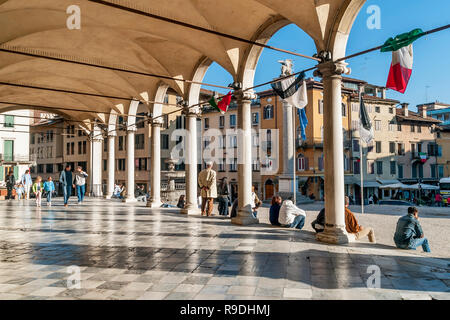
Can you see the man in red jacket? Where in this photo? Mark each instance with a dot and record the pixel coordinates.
(352, 227)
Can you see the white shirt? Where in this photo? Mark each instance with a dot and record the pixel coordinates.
(288, 212)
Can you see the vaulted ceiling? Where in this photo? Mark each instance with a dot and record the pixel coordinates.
(114, 37)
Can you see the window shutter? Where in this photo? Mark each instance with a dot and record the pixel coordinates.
(2, 170)
(16, 172)
(439, 151)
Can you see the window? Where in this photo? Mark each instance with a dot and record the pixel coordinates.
(370, 167)
(255, 118)
(399, 127)
(302, 163)
(80, 149)
(49, 168)
(233, 165)
(84, 147)
(164, 141)
(120, 143)
(221, 121)
(268, 112)
(179, 122)
(222, 142)
(233, 141)
(391, 110)
(379, 167)
(40, 168)
(356, 167)
(378, 125)
(321, 164)
(355, 124)
(413, 128)
(232, 120)
(32, 137)
(441, 172)
(378, 146)
(105, 164)
(221, 165)
(344, 110)
(377, 109)
(433, 168)
(419, 129)
(320, 106)
(391, 147)
(9, 121)
(166, 121)
(141, 164)
(355, 146)
(393, 167)
(401, 149)
(206, 123)
(139, 142)
(121, 164)
(140, 121)
(391, 126)
(255, 165)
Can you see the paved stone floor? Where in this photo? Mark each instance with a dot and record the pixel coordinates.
(126, 251)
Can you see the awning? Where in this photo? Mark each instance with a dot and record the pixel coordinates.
(350, 180)
(369, 184)
(386, 182)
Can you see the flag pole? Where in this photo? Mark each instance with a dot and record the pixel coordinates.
(361, 157)
(294, 156)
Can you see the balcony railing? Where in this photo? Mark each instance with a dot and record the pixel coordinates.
(17, 158)
(419, 155)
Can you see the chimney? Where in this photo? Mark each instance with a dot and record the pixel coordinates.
(422, 109)
(383, 93)
(405, 109)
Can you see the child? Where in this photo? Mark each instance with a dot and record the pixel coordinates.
(49, 188)
(37, 190)
(20, 191)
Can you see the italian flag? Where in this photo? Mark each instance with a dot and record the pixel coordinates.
(222, 104)
(402, 59)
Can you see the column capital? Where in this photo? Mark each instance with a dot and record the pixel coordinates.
(156, 122)
(112, 134)
(191, 111)
(96, 137)
(242, 95)
(131, 128)
(331, 68)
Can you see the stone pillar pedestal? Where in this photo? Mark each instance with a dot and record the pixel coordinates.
(191, 206)
(334, 232)
(131, 130)
(244, 152)
(155, 174)
(111, 164)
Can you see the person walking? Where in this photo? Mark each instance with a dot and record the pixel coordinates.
(65, 179)
(49, 188)
(27, 182)
(438, 199)
(208, 186)
(37, 190)
(10, 182)
(79, 181)
(224, 196)
(409, 234)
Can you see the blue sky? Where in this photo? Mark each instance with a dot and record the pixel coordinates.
(431, 63)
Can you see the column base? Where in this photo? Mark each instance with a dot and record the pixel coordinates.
(191, 210)
(108, 196)
(334, 235)
(129, 200)
(244, 218)
(154, 204)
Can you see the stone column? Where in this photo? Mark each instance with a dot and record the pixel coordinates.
(244, 152)
(111, 164)
(286, 184)
(333, 154)
(131, 130)
(155, 174)
(191, 206)
(96, 158)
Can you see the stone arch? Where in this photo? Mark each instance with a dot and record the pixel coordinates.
(337, 43)
(193, 93)
(246, 72)
(157, 108)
